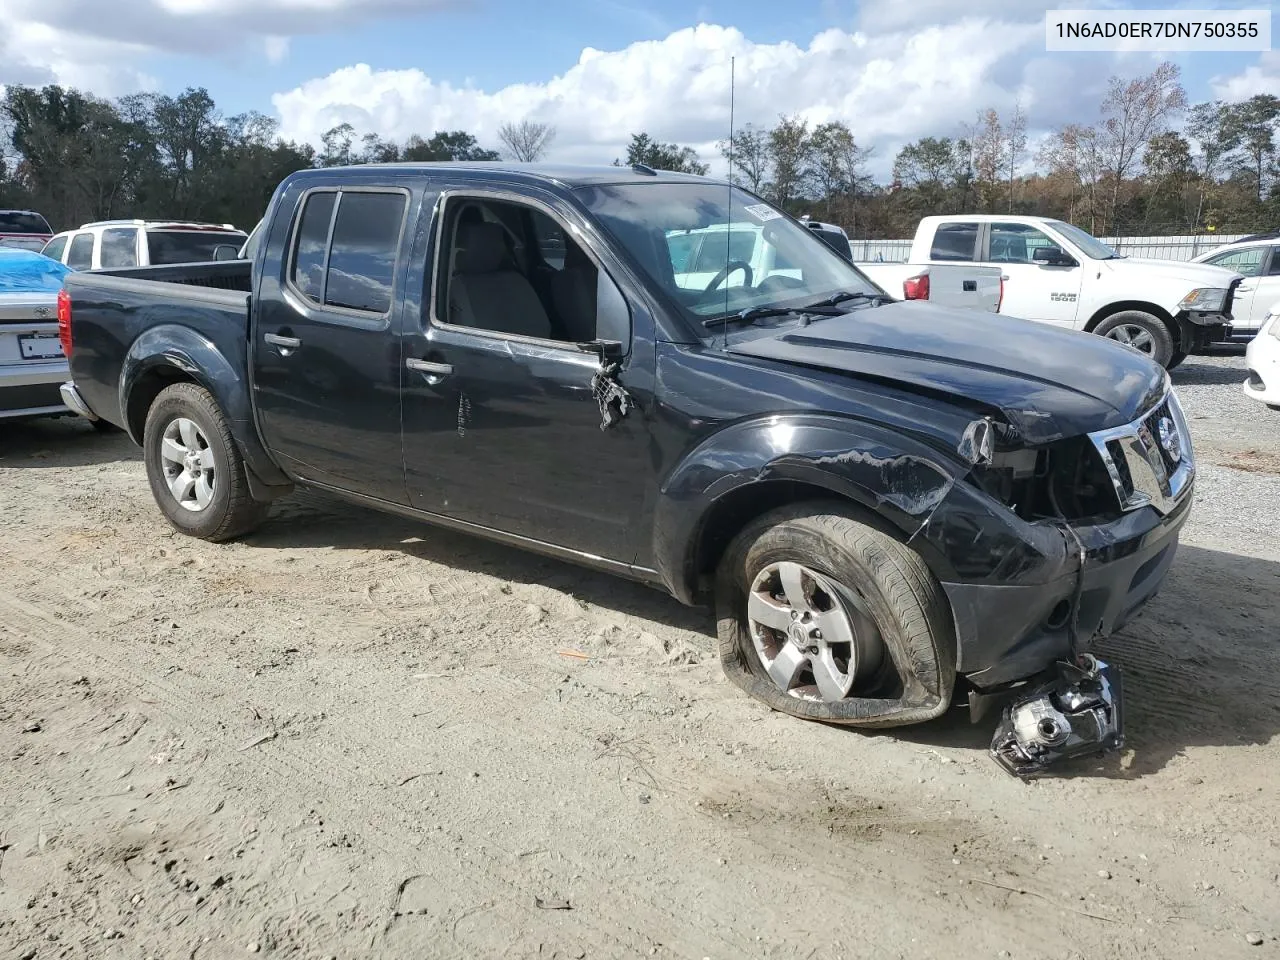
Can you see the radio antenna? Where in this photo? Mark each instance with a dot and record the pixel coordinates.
(728, 227)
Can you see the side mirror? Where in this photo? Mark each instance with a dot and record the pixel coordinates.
(225, 251)
(1052, 256)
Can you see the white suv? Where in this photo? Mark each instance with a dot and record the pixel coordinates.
(1258, 259)
(141, 243)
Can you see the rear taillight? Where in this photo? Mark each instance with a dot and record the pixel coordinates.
(916, 288)
(64, 320)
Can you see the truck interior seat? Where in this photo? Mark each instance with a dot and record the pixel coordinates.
(487, 291)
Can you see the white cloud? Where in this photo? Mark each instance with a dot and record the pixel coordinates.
(889, 88)
(1260, 77)
(276, 49)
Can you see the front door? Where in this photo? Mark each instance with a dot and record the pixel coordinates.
(325, 356)
(502, 426)
(1034, 291)
(1260, 290)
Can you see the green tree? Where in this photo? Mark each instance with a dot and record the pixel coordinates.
(1253, 125)
(448, 145)
(748, 158)
(646, 151)
(790, 145)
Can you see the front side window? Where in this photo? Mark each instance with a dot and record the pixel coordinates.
(1089, 245)
(1246, 261)
(1016, 243)
(53, 249)
(80, 256)
(785, 264)
(955, 241)
(119, 247)
(491, 280)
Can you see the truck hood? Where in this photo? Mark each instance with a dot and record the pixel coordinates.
(1048, 383)
(1192, 275)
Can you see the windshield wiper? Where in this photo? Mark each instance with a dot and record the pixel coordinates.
(846, 296)
(759, 313)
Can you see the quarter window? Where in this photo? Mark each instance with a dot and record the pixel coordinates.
(53, 249)
(954, 241)
(119, 248)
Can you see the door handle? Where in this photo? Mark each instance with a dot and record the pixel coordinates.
(276, 340)
(970, 286)
(435, 371)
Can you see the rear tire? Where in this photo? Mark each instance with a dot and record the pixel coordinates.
(1140, 331)
(195, 469)
(900, 666)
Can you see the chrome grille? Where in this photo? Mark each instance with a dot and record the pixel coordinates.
(1150, 461)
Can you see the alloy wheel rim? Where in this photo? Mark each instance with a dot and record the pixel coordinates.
(1132, 335)
(813, 636)
(188, 464)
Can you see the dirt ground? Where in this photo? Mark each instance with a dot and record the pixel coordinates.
(350, 736)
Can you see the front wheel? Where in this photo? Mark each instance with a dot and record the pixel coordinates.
(823, 617)
(1140, 331)
(196, 472)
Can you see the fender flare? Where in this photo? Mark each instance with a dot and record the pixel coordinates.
(899, 479)
(181, 348)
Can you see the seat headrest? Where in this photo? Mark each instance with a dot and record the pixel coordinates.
(481, 248)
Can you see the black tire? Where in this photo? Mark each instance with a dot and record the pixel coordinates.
(230, 512)
(894, 587)
(1157, 335)
(104, 426)
(1177, 358)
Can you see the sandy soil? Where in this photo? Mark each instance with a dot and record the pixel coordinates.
(349, 736)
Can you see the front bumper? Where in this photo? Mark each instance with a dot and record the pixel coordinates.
(1262, 359)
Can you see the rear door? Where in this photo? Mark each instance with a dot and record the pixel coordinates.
(118, 247)
(326, 362)
(80, 251)
(1034, 291)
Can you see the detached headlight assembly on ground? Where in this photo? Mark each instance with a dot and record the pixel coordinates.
(1204, 300)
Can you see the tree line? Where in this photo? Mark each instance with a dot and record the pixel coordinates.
(1151, 163)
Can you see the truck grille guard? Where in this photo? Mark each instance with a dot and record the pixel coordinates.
(1150, 461)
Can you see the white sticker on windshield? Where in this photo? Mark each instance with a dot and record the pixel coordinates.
(762, 212)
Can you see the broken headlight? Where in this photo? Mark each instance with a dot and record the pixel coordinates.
(1064, 480)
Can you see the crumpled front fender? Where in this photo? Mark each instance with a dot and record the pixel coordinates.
(898, 478)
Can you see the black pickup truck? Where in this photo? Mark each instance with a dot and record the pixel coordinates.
(880, 497)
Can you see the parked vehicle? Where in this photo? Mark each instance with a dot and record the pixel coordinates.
(698, 254)
(879, 496)
(132, 243)
(1257, 259)
(32, 367)
(24, 229)
(1057, 274)
(1262, 359)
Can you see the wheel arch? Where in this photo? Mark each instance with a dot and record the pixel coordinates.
(1145, 306)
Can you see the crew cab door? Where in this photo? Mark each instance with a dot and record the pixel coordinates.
(502, 428)
(1043, 290)
(326, 360)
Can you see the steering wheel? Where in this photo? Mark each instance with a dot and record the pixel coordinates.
(723, 275)
(779, 282)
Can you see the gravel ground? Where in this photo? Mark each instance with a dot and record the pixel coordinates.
(348, 736)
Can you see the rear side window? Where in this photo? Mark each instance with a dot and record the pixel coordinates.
(362, 255)
(119, 247)
(80, 256)
(53, 249)
(353, 269)
(187, 246)
(20, 221)
(954, 241)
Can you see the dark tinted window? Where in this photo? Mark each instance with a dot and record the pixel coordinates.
(313, 238)
(80, 256)
(54, 248)
(954, 241)
(119, 247)
(14, 221)
(1274, 269)
(187, 246)
(362, 257)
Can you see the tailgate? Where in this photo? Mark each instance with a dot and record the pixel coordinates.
(964, 285)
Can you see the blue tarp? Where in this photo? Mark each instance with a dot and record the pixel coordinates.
(24, 271)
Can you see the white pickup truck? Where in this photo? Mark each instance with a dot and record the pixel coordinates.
(697, 257)
(1057, 273)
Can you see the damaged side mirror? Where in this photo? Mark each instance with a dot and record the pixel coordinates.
(609, 351)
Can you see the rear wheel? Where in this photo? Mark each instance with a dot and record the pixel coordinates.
(1140, 331)
(824, 617)
(196, 472)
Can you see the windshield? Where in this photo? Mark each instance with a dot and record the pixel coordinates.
(715, 256)
(1090, 246)
(187, 246)
(250, 248)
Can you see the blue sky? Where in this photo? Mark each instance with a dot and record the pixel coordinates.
(892, 70)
